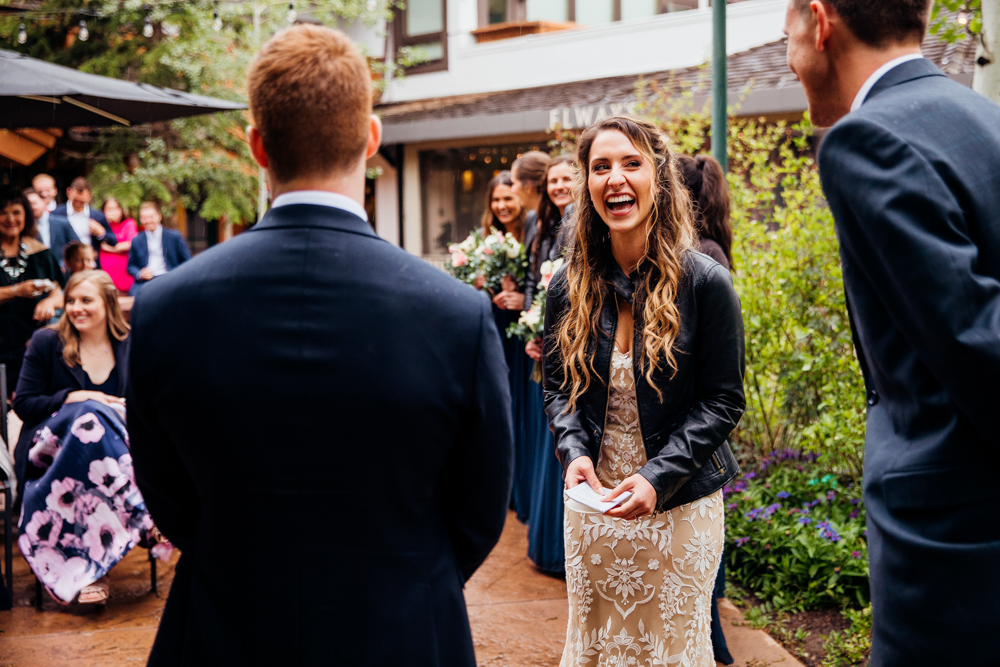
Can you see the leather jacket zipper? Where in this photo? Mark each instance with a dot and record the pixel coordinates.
(718, 464)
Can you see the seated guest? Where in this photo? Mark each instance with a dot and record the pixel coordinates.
(82, 511)
(52, 232)
(90, 226)
(78, 257)
(114, 258)
(30, 282)
(155, 251)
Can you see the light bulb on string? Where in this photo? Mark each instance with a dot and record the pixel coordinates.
(22, 34)
(84, 33)
(963, 18)
(216, 21)
(147, 28)
(291, 12)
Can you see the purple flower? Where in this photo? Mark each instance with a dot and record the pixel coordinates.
(740, 541)
(783, 494)
(805, 520)
(855, 514)
(855, 501)
(831, 496)
(732, 506)
(750, 475)
(855, 554)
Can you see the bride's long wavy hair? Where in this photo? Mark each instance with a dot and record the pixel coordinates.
(670, 234)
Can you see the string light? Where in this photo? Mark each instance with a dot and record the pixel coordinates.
(84, 33)
(147, 27)
(963, 18)
(291, 12)
(22, 34)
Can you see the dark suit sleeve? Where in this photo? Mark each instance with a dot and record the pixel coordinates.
(134, 267)
(109, 236)
(905, 228)
(479, 473)
(34, 402)
(719, 398)
(183, 251)
(569, 428)
(164, 480)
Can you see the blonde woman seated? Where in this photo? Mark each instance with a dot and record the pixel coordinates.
(82, 511)
(643, 384)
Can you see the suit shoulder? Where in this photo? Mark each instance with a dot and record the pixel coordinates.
(44, 338)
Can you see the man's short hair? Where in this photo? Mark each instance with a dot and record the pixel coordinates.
(879, 23)
(80, 184)
(42, 177)
(150, 204)
(310, 96)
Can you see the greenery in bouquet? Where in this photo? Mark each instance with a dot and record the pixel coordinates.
(795, 534)
(464, 263)
(501, 255)
(531, 324)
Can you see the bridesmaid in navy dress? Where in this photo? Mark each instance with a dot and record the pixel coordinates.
(505, 213)
(545, 522)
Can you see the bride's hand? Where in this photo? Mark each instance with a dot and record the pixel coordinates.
(82, 395)
(581, 471)
(509, 300)
(642, 502)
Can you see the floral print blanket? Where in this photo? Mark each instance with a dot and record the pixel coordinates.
(85, 512)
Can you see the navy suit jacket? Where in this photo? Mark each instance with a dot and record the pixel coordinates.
(60, 234)
(175, 252)
(913, 180)
(345, 407)
(109, 236)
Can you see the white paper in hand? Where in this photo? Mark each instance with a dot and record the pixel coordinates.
(583, 494)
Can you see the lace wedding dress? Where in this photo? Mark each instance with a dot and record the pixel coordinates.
(639, 591)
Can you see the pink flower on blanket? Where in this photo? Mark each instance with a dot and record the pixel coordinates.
(106, 538)
(44, 528)
(87, 428)
(63, 577)
(62, 497)
(45, 448)
(108, 476)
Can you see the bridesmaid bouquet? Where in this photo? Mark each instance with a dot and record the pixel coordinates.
(491, 257)
(531, 324)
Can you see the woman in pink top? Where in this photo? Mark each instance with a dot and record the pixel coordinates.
(114, 259)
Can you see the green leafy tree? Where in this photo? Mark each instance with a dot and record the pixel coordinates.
(201, 162)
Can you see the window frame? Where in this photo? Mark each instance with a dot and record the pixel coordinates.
(402, 39)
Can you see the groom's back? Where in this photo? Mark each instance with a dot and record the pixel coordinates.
(316, 381)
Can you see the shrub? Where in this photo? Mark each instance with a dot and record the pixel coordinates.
(795, 534)
(851, 647)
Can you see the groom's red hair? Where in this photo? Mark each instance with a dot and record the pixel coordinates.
(310, 96)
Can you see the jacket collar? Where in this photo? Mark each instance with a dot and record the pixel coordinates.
(908, 71)
(118, 348)
(624, 286)
(314, 215)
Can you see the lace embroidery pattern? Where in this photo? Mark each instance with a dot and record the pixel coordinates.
(639, 591)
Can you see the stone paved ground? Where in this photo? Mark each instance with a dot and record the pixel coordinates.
(518, 617)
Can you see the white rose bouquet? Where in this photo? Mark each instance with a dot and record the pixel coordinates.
(502, 256)
(464, 262)
(531, 324)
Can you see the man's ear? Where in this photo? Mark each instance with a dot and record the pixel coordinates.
(374, 136)
(256, 144)
(822, 20)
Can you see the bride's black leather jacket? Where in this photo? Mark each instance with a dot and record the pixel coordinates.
(685, 434)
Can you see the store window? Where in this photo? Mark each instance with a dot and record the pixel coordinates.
(453, 189)
(597, 12)
(422, 26)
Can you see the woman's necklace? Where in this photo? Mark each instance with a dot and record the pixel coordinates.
(15, 266)
(95, 354)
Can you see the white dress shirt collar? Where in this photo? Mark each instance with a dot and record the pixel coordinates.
(862, 95)
(42, 227)
(321, 198)
(51, 206)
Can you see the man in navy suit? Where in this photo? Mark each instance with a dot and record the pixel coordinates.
(155, 251)
(314, 392)
(911, 169)
(55, 233)
(89, 226)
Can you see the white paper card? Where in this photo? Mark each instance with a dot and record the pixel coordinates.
(583, 494)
